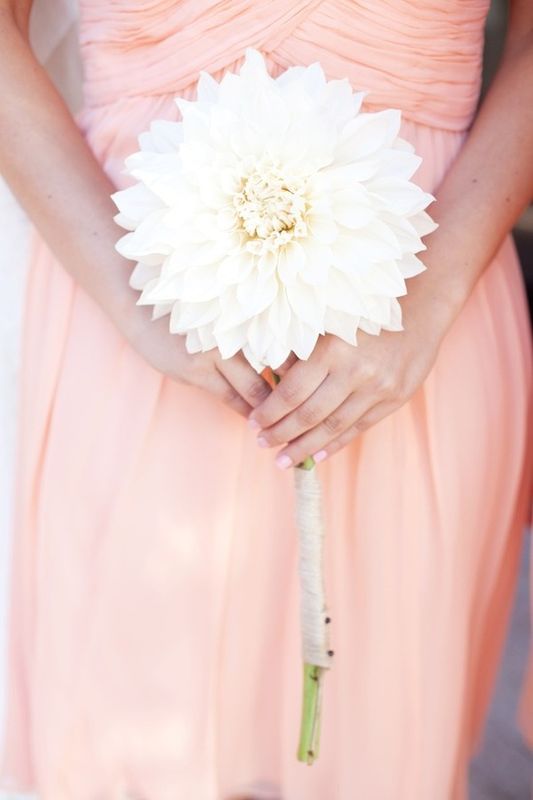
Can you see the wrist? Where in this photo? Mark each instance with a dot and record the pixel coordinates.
(432, 304)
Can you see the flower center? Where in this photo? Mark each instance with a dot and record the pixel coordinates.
(271, 208)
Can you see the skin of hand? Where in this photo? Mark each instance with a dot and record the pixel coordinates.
(232, 380)
(56, 178)
(321, 404)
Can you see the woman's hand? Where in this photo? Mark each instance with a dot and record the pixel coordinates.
(321, 404)
(232, 380)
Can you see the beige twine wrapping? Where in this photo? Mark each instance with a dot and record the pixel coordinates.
(315, 630)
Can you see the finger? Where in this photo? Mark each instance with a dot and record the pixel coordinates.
(327, 398)
(287, 364)
(367, 420)
(244, 379)
(317, 440)
(302, 379)
(218, 386)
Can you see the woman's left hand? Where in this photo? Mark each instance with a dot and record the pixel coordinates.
(321, 404)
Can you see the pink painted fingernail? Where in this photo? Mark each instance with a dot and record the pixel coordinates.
(283, 461)
(320, 456)
(262, 442)
(254, 425)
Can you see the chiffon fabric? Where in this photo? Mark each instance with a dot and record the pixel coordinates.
(154, 650)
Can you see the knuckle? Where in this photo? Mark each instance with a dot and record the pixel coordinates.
(332, 424)
(258, 390)
(365, 369)
(307, 416)
(361, 425)
(273, 437)
(229, 395)
(386, 384)
(288, 392)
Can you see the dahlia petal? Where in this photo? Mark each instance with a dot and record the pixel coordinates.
(207, 340)
(134, 204)
(277, 354)
(198, 284)
(382, 277)
(378, 309)
(395, 322)
(369, 326)
(398, 195)
(422, 223)
(230, 341)
(161, 310)
(159, 172)
(318, 258)
(354, 250)
(267, 263)
(291, 261)
(290, 75)
(259, 335)
(165, 290)
(403, 144)
(323, 229)
(313, 79)
(342, 295)
(255, 293)
(404, 233)
(192, 340)
(307, 303)
(342, 325)
(147, 243)
(395, 163)
(301, 338)
(194, 315)
(357, 100)
(232, 313)
(142, 273)
(279, 313)
(336, 102)
(366, 134)
(235, 268)
(409, 265)
(345, 176)
(164, 136)
(352, 207)
(207, 88)
(254, 66)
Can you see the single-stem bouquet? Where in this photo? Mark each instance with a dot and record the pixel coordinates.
(277, 211)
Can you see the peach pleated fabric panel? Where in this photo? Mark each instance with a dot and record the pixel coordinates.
(155, 646)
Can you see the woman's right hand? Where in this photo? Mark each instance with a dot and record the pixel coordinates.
(231, 380)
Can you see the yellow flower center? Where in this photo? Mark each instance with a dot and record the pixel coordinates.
(270, 207)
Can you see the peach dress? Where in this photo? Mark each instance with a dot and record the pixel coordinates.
(154, 648)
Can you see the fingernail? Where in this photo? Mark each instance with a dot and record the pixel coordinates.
(283, 461)
(262, 442)
(254, 425)
(320, 456)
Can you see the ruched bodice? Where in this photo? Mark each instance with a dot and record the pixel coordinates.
(422, 56)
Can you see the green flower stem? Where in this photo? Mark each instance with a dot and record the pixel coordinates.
(308, 745)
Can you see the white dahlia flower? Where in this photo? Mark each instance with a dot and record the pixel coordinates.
(274, 212)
